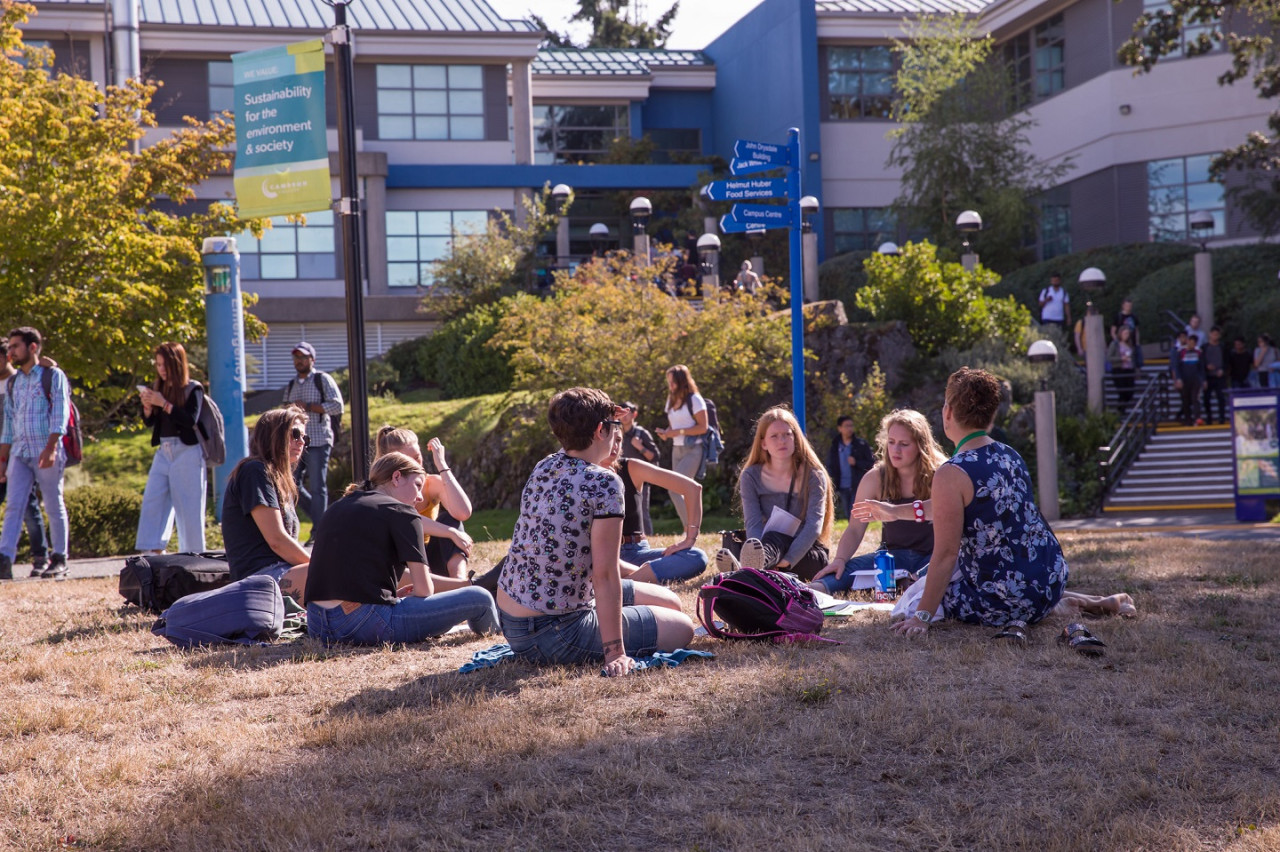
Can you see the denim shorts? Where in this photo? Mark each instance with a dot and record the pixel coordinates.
(575, 636)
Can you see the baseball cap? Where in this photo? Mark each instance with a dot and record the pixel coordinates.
(306, 349)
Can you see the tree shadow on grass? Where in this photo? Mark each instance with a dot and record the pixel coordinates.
(140, 622)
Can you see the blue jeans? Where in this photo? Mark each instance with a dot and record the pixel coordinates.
(313, 497)
(681, 565)
(23, 473)
(175, 486)
(911, 561)
(34, 520)
(408, 620)
(844, 502)
(575, 636)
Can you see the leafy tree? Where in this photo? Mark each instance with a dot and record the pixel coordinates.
(495, 263)
(1246, 29)
(942, 304)
(611, 28)
(92, 251)
(960, 145)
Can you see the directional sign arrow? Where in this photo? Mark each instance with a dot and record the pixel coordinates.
(747, 150)
(728, 226)
(746, 167)
(745, 190)
(768, 215)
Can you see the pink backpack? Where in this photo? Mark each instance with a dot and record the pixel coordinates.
(757, 604)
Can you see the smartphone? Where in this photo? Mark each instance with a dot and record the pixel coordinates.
(141, 388)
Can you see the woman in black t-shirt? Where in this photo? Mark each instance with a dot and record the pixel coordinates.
(368, 539)
(259, 522)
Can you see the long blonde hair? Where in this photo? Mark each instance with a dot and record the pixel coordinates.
(384, 468)
(930, 455)
(804, 461)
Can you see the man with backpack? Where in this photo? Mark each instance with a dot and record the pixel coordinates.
(36, 414)
(317, 394)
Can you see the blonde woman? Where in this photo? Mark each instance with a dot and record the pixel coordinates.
(368, 539)
(686, 426)
(785, 488)
(444, 505)
(907, 455)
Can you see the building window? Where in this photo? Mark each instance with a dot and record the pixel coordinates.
(862, 228)
(1055, 230)
(1036, 62)
(860, 82)
(1190, 33)
(577, 134)
(221, 89)
(417, 240)
(1177, 188)
(289, 250)
(675, 144)
(430, 102)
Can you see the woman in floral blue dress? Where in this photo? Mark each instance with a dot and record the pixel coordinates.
(995, 560)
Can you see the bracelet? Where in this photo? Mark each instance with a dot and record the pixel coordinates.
(917, 506)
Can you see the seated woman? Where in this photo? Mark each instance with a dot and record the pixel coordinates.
(561, 596)
(784, 486)
(444, 504)
(903, 476)
(679, 561)
(259, 521)
(361, 551)
(995, 560)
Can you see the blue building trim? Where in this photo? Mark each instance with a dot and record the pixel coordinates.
(514, 177)
(637, 119)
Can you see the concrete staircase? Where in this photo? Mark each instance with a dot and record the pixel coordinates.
(1181, 468)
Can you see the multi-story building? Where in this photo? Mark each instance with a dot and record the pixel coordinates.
(459, 113)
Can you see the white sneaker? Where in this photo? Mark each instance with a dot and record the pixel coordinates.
(753, 554)
(725, 561)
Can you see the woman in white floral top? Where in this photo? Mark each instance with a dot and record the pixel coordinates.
(561, 595)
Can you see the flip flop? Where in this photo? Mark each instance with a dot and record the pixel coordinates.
(1078, 637)
(1014, 633)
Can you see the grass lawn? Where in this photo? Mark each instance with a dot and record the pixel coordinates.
(112, 739)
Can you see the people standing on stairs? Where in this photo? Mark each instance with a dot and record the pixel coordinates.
(1215, 376)
(1122, 356)
(1187, 364)
(1239, 363)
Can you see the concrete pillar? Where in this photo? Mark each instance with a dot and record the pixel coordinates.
(522, 128)
(126, 53)
(757, 265)
(640, 246)
(1095, 357)
(1204, 288)
(1047, 453)
(809, 249)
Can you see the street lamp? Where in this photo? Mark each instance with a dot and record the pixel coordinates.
(599, 237)
(562, 195)
(755, 238)
(1091, 281)
(809, 247)
(889, 248)
(968, 222)
(1043, 352)
(1202, 225)
(641, 210)
(709, 255)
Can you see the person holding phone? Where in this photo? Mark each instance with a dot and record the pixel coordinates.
(177, 480)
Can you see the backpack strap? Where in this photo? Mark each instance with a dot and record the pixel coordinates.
(320, 386)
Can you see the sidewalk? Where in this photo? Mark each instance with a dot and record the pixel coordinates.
(1219, 525)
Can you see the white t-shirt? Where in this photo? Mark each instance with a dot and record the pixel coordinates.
(683, 418)
(1055, 308)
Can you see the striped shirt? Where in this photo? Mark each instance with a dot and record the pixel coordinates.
(304, 392)
(30, 418)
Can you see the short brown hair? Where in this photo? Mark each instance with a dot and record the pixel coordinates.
(576, 413)
(974, 397)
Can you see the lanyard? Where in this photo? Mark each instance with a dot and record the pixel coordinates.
(979, 434)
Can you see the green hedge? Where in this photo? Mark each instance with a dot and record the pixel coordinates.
(841, 278)
(458, 358)
(103, 519)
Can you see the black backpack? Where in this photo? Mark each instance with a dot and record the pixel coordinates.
(335, 420)
(760, 604)
(154, 581)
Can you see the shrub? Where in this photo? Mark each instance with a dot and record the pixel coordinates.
(942, 304)
(103, 520)
(841, 278)
(867, 405)
(461, 357)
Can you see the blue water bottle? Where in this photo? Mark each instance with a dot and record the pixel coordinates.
(886, 584)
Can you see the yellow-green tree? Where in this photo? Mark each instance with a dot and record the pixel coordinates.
(92, 250)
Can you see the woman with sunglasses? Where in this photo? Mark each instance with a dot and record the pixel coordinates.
(259, 519)
(369, 538)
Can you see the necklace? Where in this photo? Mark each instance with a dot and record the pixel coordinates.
(981, 433)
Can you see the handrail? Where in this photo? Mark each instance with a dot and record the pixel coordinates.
(1139, 425)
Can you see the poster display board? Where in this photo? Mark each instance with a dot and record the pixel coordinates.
(1255, 448)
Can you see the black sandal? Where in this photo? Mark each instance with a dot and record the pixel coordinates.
(1014, 633)
(1078, 637)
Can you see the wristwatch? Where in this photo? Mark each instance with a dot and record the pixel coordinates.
(923, 616)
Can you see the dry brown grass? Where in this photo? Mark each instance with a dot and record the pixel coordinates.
(112, 737)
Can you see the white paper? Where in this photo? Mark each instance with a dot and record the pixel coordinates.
(782, 521)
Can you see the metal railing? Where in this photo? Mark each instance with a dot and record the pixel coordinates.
(1138, 426)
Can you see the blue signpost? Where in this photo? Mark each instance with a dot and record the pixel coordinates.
(224, 322)
(751, 157)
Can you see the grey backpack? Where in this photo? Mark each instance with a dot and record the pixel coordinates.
(246, 612)
(211, 433)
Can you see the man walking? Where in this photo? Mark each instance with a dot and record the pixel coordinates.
(31, 449)
(34, 519)
(1055, 304)
(638, 443)
(317, 394)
